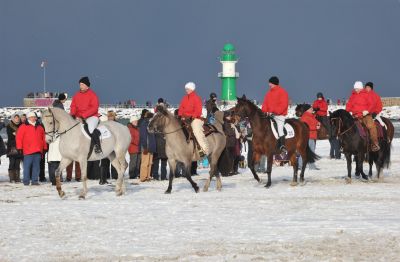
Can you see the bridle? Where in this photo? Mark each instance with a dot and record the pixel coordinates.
(54, 133)
(341, 125)
(167, 133)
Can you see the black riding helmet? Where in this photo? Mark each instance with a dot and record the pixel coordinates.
(320, 95)
(213, 96)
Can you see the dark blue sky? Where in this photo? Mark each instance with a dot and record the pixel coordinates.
(148, 49)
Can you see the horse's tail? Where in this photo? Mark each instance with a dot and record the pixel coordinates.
(311, 156)
(225, 163)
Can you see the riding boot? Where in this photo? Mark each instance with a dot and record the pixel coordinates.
(11, 174)
(281, 145)
(96, 140)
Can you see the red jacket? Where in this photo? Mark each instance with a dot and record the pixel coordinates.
(323, 107)
(191, 106)
(359, 102)
(376, 101)
(85, 104)
(312, 123)
(276, 101)
(134, 145)
(31, 139)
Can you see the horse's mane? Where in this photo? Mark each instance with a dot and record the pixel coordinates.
(344, 115)
(255, 108)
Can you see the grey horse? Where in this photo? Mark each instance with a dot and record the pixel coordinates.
(179, 150)
(74, 146)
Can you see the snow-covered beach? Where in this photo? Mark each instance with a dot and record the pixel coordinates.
(324, 220)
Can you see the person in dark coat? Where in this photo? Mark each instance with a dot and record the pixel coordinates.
(3, 149)
(134, 151)
(159, 156)
(211, 107)
(148, 147)
(59, 103)
(231, 134)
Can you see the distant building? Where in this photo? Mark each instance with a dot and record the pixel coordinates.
(391, 101)
(41, 99)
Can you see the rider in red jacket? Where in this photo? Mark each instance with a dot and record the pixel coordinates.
(191, 108)
(313, 126)
(276, 103)
(361, 105)
(320, 107)
(376, 101)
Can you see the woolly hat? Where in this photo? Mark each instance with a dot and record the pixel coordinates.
(213, 96)
(134, 118)
(30, 114)
(358, 85)
(85, 80)
(320, 95)
(160, 100)
(190, 86)
(370, 84)
(62, 96)
(274, 80)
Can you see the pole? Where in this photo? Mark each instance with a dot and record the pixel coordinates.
(44, 79)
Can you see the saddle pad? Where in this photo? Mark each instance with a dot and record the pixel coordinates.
(289, 130)
(379, 129)
(361, 131)
(105, 133)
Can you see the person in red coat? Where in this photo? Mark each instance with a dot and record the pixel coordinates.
(320, 107)
(191, 107)
(276, 103)
(376, 101)
(31, 141)
(361, 105)
(313, 125)
(85, 107)
(134, 152)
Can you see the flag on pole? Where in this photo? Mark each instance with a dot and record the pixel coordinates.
(43, 64)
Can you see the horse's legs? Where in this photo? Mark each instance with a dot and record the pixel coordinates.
(63, 164)
(189, 178)
(256, 160)
(269, 169)
(212, 170)
(371, 162)
(172, 166)
(348, 160)
(120, 165)
(360, 162)
(83, 165)
(294, 162)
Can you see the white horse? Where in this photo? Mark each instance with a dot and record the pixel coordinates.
(74, 146)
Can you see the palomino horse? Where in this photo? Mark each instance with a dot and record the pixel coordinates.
(322, 132)
(179, 150)
(344, 127)
(74, 146)
(264, 142)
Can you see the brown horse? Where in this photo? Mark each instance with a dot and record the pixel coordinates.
(264, 141)
(322, 132)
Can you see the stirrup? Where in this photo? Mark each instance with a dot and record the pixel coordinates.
(375, 148)
(97, 149)
(283, 150)
(202, 153)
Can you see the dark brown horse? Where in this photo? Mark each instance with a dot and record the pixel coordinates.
(264, 141)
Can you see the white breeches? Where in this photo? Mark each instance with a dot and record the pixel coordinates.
(197, 126)
(280, 121)
(378, 117)
(92, 123)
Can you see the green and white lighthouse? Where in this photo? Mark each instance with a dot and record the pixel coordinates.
(228, 74)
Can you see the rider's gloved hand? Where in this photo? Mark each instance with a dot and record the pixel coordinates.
(365, 112)
(374, 115)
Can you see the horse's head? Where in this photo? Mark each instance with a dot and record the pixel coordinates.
(51, 125)
(300, 109)
(244, 108)
(340, 119)
(159, 120)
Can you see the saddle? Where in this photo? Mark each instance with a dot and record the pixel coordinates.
(288, 130)
(208, 129)
(363, 130)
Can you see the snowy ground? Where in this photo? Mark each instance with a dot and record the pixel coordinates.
(324, 220)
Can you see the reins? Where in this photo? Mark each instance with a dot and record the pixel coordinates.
(340, 125)
(54, 133)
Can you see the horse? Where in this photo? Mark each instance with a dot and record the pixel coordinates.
(375, 157)
(344, 127)
(264, 142)
(74, 146)
(322, 132)
(178, 149)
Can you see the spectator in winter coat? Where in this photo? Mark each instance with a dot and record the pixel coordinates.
(211, 107)
(320, 107)
(3, 149)
(59, 103)
(12, 152)
(361, 105)
(276, 103)
(313, 126)
(134, 152)
(191, 108)
(31, 140)
(159, 156)
(232, 136)
(376, 101)
(53, 160)
(147, 147)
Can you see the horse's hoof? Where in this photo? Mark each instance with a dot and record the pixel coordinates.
(268, 185)
(197, 189)
(348, 180)
(119, 193)
(81, 197)
(205, 189)
(293, 183)
(61, 194)
(168, 192)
